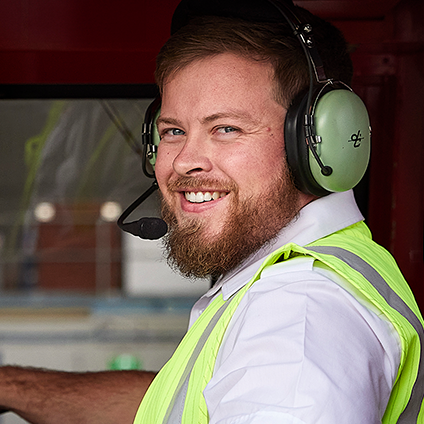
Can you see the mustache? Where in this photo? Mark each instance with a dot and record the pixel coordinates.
(197, 182)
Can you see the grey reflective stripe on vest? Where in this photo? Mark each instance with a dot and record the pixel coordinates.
(174, 413)
(412, 410)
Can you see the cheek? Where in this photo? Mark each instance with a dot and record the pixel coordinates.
(163, 166)
(256, 170)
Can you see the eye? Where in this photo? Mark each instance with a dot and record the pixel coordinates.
(171, 132)
(226, 130)
(175, 131)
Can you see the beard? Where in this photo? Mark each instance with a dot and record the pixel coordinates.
(250, 224)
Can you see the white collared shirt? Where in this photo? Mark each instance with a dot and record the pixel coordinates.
(300, 348)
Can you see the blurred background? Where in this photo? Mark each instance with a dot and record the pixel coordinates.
(76, 77)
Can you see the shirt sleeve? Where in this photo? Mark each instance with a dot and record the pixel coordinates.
(300, 349)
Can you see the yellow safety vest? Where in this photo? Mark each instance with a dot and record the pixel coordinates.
(176, 394)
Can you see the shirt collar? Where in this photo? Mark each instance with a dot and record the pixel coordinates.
(317, 219)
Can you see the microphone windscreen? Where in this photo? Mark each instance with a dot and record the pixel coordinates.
(151, 228)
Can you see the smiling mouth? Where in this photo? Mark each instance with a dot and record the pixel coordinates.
(206, 196)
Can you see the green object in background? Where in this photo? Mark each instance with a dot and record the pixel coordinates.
(125, 361)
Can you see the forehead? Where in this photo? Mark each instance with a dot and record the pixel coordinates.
(222, 79)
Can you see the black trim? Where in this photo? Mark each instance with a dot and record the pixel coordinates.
(77, 91)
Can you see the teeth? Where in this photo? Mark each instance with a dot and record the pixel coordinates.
(200, 197)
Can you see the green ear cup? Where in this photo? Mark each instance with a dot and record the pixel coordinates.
(342, 124)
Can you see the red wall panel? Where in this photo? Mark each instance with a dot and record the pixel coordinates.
(75, 41)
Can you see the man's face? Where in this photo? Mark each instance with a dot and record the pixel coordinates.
(221, 163)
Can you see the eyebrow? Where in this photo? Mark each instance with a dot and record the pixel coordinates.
(211, 118)
(168, 121)
(224, 115)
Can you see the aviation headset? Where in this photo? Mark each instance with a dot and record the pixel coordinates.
(327, 130)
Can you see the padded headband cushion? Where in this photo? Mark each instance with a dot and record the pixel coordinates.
(249, 10)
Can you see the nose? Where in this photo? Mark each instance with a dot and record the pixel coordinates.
(194, 158)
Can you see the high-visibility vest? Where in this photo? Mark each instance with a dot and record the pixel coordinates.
(176, 394)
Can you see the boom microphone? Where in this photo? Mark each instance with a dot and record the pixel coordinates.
(145, 228)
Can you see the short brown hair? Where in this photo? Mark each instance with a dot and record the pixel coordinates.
(263, 41)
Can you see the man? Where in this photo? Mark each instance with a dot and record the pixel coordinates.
(290, 333)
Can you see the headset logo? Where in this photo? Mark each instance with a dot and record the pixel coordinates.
(356, 138)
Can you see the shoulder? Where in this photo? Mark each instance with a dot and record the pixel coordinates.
(300, 308)
(296, 337)
(302, 292)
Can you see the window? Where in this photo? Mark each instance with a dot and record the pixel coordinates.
(68, 168)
